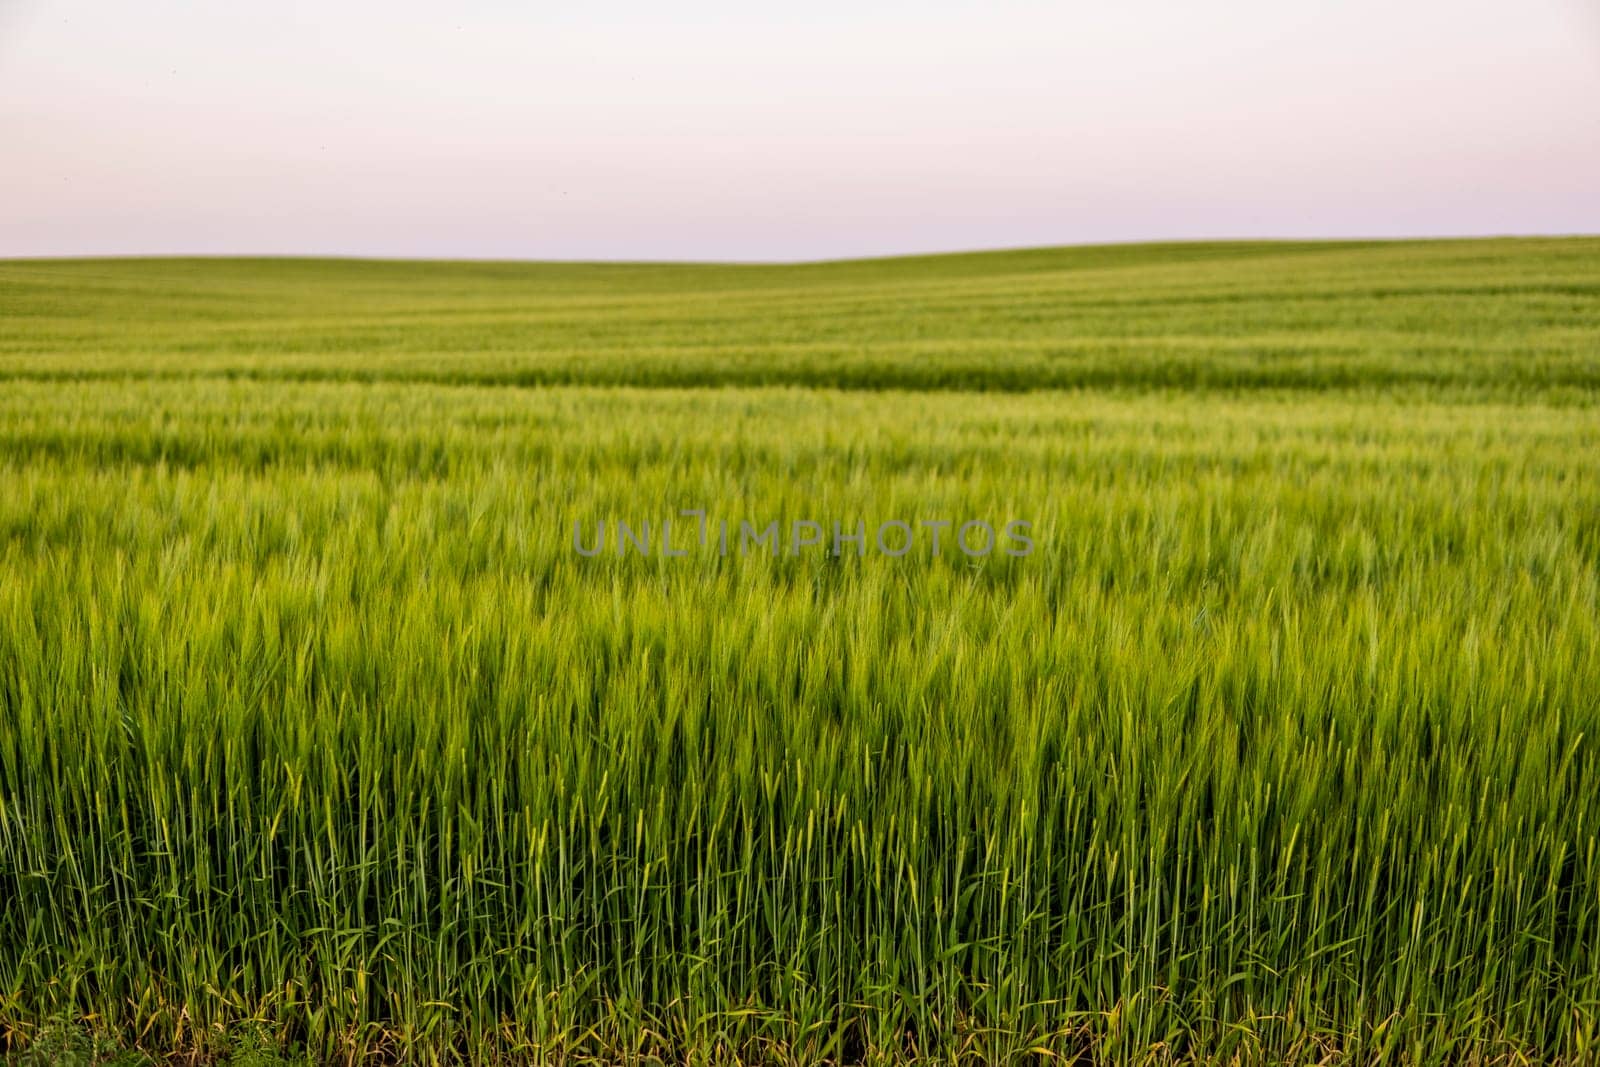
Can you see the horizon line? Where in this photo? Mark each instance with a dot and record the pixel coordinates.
(877, 257)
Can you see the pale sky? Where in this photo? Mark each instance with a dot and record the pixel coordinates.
(717, 129)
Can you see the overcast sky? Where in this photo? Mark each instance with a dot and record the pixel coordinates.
(704, 129)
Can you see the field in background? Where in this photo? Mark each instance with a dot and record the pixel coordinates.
(1499, 315)
(317, 735)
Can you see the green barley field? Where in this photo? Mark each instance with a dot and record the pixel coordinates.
(321, 742)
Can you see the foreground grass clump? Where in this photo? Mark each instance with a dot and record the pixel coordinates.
(319, 741)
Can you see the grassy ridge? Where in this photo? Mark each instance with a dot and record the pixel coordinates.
(1279, 749)
(1485, 314)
